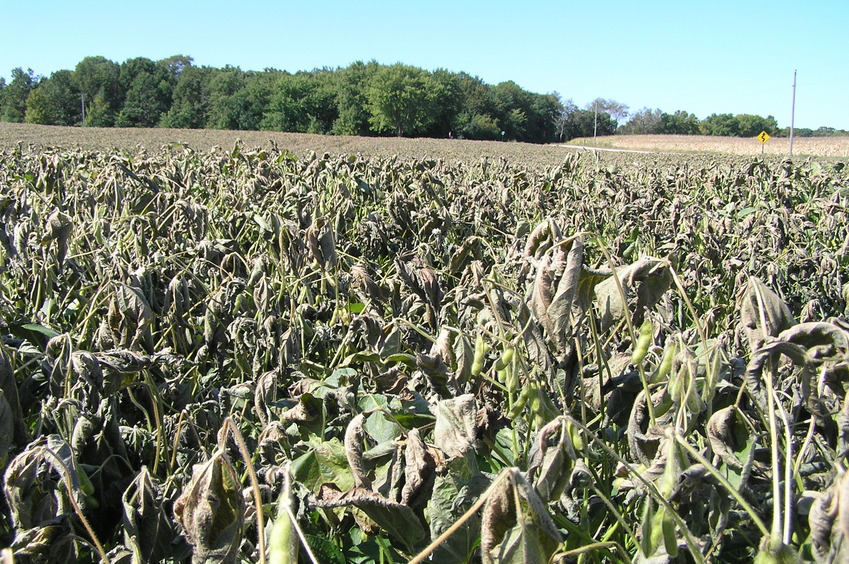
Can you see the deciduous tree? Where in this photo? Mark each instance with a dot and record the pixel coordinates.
(16, 93)
(98, 81)
(147, 89)
(719, 124)
(401, 100)
(55, 101)
(616, 110)
(351, 84)
(190, 100)
(680, 123)
(749, 125)
(302, 103)
(643, 122)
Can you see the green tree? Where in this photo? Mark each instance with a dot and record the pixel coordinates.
(98, 81)
(175, 65)
(146, 89)
(542, 126)
(679, 123)
(447, 104)
(481, 127)
(302, 103)
(797, 132)
(749, 125)
(224, 84)
(144, 104)
(38, 110)
(719, 124)
(401, 100)
(169, 71)
(250, 104)
(15, 95)
(55, 101)
(477, 115)
(582, 123)
(512, 107)
(350, 85)
(643, 122)
(616, 110)
(190, 100)
(824, 131)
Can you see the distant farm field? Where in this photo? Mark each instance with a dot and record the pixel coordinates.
(802, 146)
(450, 150)
(93, 138)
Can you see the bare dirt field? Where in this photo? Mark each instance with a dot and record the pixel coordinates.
(779, 146)
(104, 139)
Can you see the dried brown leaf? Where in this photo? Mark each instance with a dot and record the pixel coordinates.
(20, 435)
(418, 470)
(7, 428)
(147, 528)
(762, 313)
(456, 429)
(395, 518)
(354, 448)
(58, 229)
(497, 518)
(721, 434)
(643, 284)
(211, 511)
(34, 494)
(520, 533)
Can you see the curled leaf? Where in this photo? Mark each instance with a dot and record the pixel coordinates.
(555, 288)
(58, 229)
(7, 428)
(643, 284)
(762, 313)
(147, 528)
(829, 521)
(34, 494)
(396, 519)
(19, 435)
(724, 436)
(511, 532)
(354, 448)
(419, 465)
(211, 511)
(456, 429)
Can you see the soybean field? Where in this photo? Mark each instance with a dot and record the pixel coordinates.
(254, 354)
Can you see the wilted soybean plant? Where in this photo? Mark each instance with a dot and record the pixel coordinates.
(247, 355)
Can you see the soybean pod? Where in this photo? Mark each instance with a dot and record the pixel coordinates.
(641, 347)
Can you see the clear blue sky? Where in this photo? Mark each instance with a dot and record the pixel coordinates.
(725, 56)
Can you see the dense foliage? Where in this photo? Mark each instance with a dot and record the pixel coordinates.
(653, 122)
(361, 99)
(395, 359)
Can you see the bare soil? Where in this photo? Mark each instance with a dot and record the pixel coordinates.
(106, 139)
(450, 150)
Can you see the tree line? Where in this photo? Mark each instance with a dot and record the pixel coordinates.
(360, 99)
(647, 121)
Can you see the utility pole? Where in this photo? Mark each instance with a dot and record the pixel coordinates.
(595, 119)
(792, 113)
(82, 102)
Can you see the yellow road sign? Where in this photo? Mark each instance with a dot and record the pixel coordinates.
(763, 136)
